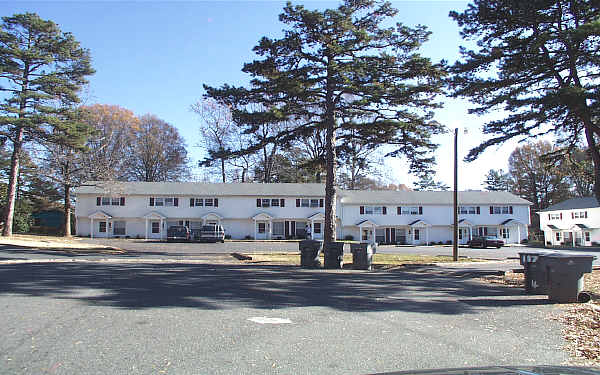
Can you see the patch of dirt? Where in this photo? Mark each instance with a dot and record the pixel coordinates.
(510, 279)
(581, 330)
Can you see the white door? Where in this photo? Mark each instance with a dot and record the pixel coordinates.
(262, 230)
(463, 236)
(317, 230)
(154, 229)
(366, 235)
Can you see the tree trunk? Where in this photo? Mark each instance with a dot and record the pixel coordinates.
(589, 135)
(330, 157)
(9, 210)
(223, 169)
(67, 210)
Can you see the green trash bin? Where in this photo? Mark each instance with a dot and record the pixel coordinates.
(309, 253)
(334, 255)
(535, 271)
(362, 255)
(565, 275)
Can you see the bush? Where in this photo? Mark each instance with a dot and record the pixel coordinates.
(524, 241)
(248, 237)
(349, 237)
(228, 236)
(449, 242)
(548, 243)
(594, 243)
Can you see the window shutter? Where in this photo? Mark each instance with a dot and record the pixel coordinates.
(585, 214)
(98, 200)
(258, 202)
(176, 202)
(321, 201)
(191, 202)
(297, 202)
(399, 210)
(560, 216)
(491, 210)
(216, 201)
(478, 210)
(122, 201)
(549, 217)
(362, 210)
(384, 210)
(510, 210)
(420, 210)
(572, 215)
(282, 202)
(485, 231)
(151, 201)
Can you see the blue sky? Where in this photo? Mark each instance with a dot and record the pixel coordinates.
(154, 57)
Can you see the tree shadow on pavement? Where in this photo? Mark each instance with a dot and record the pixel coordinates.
(224, 286)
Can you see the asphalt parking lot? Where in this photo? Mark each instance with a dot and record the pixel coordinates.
(190, 318)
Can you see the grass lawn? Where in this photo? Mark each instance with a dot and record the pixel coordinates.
(379, 260)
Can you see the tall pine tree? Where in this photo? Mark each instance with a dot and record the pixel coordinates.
(42, 70)
(342, 69)
(537, 62)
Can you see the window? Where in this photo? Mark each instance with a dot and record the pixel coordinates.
(102, 226)
(314, 203)
(199, 202)
(278, 227)
(377, 210)
(505, 233)
(411, 211)
(261, 227)
(380, 235)
(369, 210)
(274, 203)
(115, 201)
(580, 215)
(304, 202)
(119, 228)
(588, 238)
(554, 216)
(500, 210)
(169, 202)
(208, 202)
(470, 210)
(159, 202)
(317, 228)
(155, 227)
(266, 203)
(106, 201)
(558, 236)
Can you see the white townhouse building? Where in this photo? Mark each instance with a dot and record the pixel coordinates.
(574, 222)
(290, 210)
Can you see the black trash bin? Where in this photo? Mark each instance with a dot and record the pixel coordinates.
(362, 255)
(565, 275)
(535, 272)
(334, 255)
(309, 253)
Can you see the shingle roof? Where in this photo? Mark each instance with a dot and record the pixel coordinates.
(574, 204)
(429, 197)
(198, 188)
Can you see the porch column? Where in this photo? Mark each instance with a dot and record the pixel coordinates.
(270, 228)
(108, 228)
(518, 234)
(374, 238)
(413, 236)
(146, 232)
(161, 228)
(312, 229)
(573, 234)
(254, 229)
(426, 235)
(470, 233)
(91, 227)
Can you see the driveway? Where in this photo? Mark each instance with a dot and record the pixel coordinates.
(190, 318)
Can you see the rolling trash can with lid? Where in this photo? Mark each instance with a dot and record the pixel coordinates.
(362, 255)
(535, 271)
(309, 253)
(565, 275)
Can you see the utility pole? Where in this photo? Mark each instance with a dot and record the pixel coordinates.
(455, 242)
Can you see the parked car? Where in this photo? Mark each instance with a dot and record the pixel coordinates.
(486, 241)
(178, 233)
(209, 233)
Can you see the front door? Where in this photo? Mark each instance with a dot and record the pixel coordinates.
(154, 229)
(317, 230)
(366, 235)
(262, 230)
(390, 235)
(463, 235)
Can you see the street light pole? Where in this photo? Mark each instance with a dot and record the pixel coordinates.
(455, 242)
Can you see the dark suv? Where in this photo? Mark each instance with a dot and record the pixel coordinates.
(486, 241)
(178, 233)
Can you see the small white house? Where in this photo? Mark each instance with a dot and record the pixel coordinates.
(574, 222)
(279, 211)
